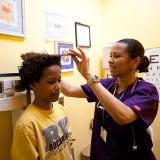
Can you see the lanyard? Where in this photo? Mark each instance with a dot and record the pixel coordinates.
(123, 93)
(105, 117)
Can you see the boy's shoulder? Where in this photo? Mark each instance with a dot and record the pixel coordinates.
(32, 115)
(25, 121)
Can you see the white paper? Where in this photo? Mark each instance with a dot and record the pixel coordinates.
(83, 37)
(56, 26)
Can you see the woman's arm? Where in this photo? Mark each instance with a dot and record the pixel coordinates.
(121, 113)
(71, 91)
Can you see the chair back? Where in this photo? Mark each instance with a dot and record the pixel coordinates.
(150, 131)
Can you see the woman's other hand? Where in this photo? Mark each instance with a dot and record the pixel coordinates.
(83, 65)
(23, 55)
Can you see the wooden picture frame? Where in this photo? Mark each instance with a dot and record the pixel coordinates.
(67, 63)
(13, 18)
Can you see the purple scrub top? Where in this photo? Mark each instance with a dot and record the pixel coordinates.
(119, 145)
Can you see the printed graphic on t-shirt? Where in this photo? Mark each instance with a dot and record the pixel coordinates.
(56, 138)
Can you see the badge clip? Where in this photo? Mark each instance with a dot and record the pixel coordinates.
(135, 146)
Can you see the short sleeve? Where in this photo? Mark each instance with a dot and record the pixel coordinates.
(144, 101)
(19, 150)
(87, 90)
(92, 97)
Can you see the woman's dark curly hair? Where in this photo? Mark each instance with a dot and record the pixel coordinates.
(136, 49)
(32, 68)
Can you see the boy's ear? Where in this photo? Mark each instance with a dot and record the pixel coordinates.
(33, 86)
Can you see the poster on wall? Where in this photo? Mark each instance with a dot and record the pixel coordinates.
(153, 76)
(12, 18)
(56, 26)
(67, 63)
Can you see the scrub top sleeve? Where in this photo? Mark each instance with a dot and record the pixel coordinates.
(144, 101)
(87, 90)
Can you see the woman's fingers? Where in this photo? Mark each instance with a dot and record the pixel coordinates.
(83, 64)
(75, 60)
(23, 55)
(31, 52)
(74, 53)
(82, 52)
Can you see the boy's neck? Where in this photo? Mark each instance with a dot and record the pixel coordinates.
(43, 105)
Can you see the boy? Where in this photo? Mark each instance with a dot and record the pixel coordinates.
(43, 130)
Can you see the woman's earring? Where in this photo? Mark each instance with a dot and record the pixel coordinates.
(132, 68)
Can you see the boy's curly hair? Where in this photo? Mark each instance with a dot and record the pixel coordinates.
(32, 68)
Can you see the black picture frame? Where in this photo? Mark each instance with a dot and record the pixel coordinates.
(83, 37)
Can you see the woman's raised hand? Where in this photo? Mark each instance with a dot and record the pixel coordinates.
(83, 64)
(23, 55)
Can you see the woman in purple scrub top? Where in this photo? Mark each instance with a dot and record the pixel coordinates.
(124, 107)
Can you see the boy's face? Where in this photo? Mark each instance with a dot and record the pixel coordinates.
(49, 86)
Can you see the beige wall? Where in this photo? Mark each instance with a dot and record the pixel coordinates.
(120, 19)
(80, 112)
(137, 19)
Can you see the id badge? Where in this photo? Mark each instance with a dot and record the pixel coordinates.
(103, 134)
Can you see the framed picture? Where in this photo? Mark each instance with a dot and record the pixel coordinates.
(67, 63)
(12, 18)
(82, 35)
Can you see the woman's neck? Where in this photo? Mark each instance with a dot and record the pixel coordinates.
(124, 82)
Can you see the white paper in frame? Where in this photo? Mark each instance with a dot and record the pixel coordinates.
(67, 63)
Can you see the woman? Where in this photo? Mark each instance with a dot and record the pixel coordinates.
(125, 107)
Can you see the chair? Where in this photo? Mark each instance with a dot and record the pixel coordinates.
(150, 131)
(85, 155)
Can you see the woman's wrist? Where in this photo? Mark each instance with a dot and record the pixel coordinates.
(88, 76)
